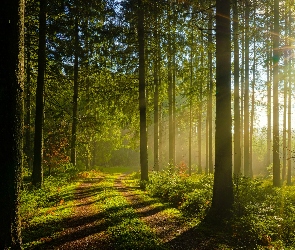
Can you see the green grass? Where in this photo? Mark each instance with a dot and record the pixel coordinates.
(126, 230)
(116, 169)
(263, 216)
(43, 210)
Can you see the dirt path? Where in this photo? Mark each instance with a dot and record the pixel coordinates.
(173, 232)
(87, 227)
(166, 227)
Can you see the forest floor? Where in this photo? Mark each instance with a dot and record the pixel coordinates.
(110, 212)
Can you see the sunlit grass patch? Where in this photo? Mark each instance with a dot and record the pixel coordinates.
(43, 209)
(133, 234)
(126, 230)
(116, 169)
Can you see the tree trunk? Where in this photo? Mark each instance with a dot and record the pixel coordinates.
(170, 90)
(27, 120)
(11, 120)
(237, 132)
(174, 85)
(190, 102)
(200, 90)
(142, 97)
(269, 102)
(289, 104)
(276, 136)
(246, 96)
(285, 99)
(75, 96)
(289, 125)
(210, 104)
(252, 111)
(37, 174)
(222, 200)
(156, 93)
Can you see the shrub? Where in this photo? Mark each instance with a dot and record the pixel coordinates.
(191, 194)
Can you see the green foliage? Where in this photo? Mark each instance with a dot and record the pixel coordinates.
(134, 234)
(190, 194)
(263, 215)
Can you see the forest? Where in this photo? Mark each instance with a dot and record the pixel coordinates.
(141, 124)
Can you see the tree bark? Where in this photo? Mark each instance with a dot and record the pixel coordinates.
(222, 200)
(75, 96)
(170, 90)
(156, 93)
(142, 97)
(27, 120)
(200, 100)
(11, 120)
(210, 104)
(37, 174)
(276, 136)
(237, 124)
(246, 96)
(284, 169)
(289, 104)
(190, 102)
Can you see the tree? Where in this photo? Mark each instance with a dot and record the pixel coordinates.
(246, 96)
(222, 200)
(75, 96)
(276, 57)
(209, 107)
(156, 89)
(37, 174)
(11, 119)
(237, 132)
(142, 97)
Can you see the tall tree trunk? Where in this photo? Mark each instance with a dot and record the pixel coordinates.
(170, 89)
(289, 126)
(27, 120)
(142, 97)
(156, 93)
(190, 101)
(210, 104)
(246, 96)
(289, 103)
(222, 200)
(200, 100)
(242, 72)
(174, 85)
(285, 99)
(237, 132)
(37, 174)
(75, 95)
(252, 111)
(11, 120)
(276, 136)
(269, 102)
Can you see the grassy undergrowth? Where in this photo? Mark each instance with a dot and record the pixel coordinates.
(42, 210)
(263, 216)
(126, 230)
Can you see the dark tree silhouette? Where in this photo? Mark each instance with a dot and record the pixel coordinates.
(142, 97)
(223, 187)
(11, 119)
(276, 137)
